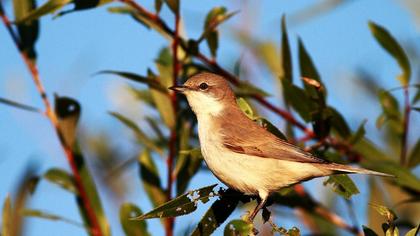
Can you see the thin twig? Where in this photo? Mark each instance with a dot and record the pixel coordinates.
(95, 230)
(406, 121)
(173, 135)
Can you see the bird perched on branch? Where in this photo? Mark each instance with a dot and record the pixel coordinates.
(242, 154)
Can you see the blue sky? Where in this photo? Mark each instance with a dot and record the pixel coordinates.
(72, 48)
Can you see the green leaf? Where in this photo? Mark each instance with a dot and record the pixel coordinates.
(388, 42)
(389, 214)
(19, 105)
(342, 185)
(219, 211)
(181, 205)
(245, 89)
(151, 179)
(7, 217)
(61, 178)
(307, 67)
(359, 134)
(141, 136)
(389, 105)
(153, 84)
(49, 216)
(286, 55)
(297, 99)
(413, 232)
(238, 228)
(158, 6)
(47, 8)
(414, 157)
(67, 111)
(245, 107)
(173, 5)
(28, 31)
(188, 162)
(338, 123)
(131, 227)
(368, 232)
(87, 4)
(271, 128)
(214, 18)
(392, 231)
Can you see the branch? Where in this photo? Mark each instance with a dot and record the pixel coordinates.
(95, 230)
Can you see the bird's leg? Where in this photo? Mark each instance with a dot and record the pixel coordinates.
(259, 206)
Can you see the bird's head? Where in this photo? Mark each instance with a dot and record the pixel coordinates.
(207, 93)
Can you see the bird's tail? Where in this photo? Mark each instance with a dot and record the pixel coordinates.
(344, 169)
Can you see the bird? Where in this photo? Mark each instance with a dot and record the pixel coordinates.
(242, 154)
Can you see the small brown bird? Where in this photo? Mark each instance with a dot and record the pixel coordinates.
(242, 154)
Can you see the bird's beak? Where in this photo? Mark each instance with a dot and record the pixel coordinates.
(179, 88)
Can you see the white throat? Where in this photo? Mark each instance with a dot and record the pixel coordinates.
(203, 104)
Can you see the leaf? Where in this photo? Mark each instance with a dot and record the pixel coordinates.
(238, 228)
(130, 227)
(392, 231)
(67, 111)
(338, 123)
(414, 157)
(388, 42)
(181, 205)
(158, 5)
(389, 105)
(141, 136)
(61, 178)
(188, 162)
(173, 5)
(342, 185)
(297, 99)
(389, 214)
(163, 102)
(150, 178)
(359, 134)
(87, 4)
(416, 109)
(7, 217)
(49, 7)
(413, 232)
(154, 84)
(368, 232)
(271, 128)
(245, 107)
(19, 105)
(219, 211)
(28, 31)
(245, 89)
(286, 55)
(49, 216)
(214, 18)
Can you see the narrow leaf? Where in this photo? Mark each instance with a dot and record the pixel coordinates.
(49, 7)
(28, 31)
(151, 179)
(413, 232)
(245, 107)
(19, 105)
(297, 99)
(386, 212)
(67, 111)
(219, 211)
(286, 55)
(141, 136)
(154, 84)
(7, 217)
(131, 227)
(359, 134)
(342, 185)
(49, 216)
(388, 42)
(173, 5)
(414, 157)
(181, 205)
(338, 123)
(238, 228)
(368, 232)
(61, 178)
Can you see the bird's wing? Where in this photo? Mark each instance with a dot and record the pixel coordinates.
(251, 139)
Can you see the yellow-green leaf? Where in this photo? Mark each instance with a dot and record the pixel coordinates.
(61, 178)
(131, 227)
(238, 228)
(342, 185)
(150, 178)
(388, 42)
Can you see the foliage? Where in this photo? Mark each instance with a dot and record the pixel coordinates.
(307, 111)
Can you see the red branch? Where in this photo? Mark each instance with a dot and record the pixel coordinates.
(95, 230)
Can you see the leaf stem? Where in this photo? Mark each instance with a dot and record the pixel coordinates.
(95, 230)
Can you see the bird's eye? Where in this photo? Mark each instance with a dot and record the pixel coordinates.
(203, 86)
